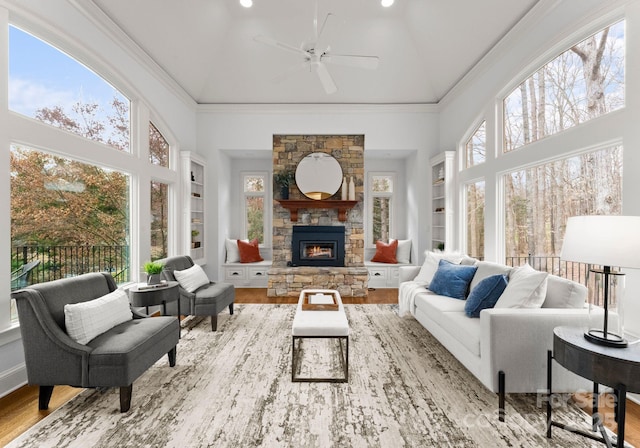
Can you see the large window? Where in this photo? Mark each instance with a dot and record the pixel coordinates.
(583, 83)
(50, 86)
(254, 212)
(475, 149)
(381, 193)
(474, 198)
(67, 218)
(539, 200)
(159, 220)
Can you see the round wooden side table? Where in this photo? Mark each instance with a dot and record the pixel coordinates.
(618, 368)
(141, 295)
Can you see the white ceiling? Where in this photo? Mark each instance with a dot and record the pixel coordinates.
(425, 46)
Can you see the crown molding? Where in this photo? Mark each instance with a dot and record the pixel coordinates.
(418, 108)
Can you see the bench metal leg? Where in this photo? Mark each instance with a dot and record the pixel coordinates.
(344, 359)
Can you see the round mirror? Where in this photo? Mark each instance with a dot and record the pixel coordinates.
(319, 176)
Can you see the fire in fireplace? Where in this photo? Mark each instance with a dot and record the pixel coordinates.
(317, 246)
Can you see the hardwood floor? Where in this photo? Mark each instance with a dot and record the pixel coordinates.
(19, 410)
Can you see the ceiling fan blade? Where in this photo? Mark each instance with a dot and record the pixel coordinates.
(277, 44)
(325, 78)
(352, 60)
(323, 32)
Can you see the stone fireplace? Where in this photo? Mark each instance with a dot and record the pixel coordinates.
(288, 278)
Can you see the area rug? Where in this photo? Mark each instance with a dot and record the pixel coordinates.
(232, 388)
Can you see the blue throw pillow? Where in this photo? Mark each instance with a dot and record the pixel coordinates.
(485, 294)
(452, 280)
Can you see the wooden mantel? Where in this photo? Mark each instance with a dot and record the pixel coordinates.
(293, 205)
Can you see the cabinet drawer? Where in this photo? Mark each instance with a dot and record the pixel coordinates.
(235, 274)
(377, 277)
(257, 273)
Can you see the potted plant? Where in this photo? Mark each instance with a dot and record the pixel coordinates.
(153, 270)
(284, 179)
(194, 244)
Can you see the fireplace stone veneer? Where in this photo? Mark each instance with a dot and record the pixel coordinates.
(288, 282)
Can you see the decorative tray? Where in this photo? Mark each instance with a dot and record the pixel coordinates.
(318, 301)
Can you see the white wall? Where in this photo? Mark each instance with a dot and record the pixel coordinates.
(227, 128)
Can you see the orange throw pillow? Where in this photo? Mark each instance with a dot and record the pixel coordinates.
(249, 252)
(386, 253)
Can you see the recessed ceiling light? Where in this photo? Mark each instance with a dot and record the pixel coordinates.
(386, 3)
(249, 3)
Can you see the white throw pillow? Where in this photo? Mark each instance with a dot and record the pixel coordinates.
(233, 253)
(527, 288)
(191, 278)
(403, 252)
(488, 269)
(86, 320)
(430, 265)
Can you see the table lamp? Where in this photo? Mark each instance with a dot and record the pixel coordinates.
(606, 241)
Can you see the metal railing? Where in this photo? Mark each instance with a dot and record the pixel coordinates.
(68, 261)
(553, 265)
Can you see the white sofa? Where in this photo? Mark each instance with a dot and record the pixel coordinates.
(511, 343)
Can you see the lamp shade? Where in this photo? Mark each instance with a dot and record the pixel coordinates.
(603, 240)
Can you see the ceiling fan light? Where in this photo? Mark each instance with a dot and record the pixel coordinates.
(386, 3)
(246, 3)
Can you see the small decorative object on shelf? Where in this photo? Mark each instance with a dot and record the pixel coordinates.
(193, 178)
(352, 190)
(194, 234)
(153, 269)
(283, 180)
(344, 189)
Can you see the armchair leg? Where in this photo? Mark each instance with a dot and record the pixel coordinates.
(231, 309)
(44, 397)
(125, 397)
(214, 322)
(172, 356)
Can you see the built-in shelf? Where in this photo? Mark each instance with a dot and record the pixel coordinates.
(293, 205)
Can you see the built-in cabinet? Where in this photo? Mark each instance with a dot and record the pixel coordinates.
(383, 275)
(194, 175)
(247, 275)
(442, 200)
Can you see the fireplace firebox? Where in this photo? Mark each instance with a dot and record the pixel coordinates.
(317, 246)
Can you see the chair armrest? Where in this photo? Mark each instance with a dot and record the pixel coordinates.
(516, 342)
(407, 273)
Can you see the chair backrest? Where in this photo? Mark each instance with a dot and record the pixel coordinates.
(52, 296)
(178, 263)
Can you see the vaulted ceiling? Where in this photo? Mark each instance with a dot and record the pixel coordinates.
(207, 46)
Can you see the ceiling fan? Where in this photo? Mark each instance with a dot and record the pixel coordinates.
(316, 54)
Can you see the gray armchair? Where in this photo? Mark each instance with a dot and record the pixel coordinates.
(113, 359)
(208, 300)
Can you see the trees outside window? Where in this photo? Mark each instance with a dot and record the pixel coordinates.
(539, 199)
(254, 212)
(66, 94)
(159, 220)
(381, 193)
(582, 83)
(474, 199)
(475, 149)
(158, 147)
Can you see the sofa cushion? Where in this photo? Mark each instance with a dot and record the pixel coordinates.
(86, 320)
(433, 304)
(249, 252)
(527, 288)
(564, 293)
(485, 294)
(430, 265)
(487, 269)
(386, 253)
(403, 252)
(452, 280)
(192, 278)
(462, 328)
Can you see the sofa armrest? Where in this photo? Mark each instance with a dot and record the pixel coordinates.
(516, 341)
(407, 273)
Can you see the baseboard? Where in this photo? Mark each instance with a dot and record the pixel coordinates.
(13, 379)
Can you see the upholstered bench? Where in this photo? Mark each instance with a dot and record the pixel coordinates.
(207, 300)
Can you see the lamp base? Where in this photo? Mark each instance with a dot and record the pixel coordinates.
(607, 339)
